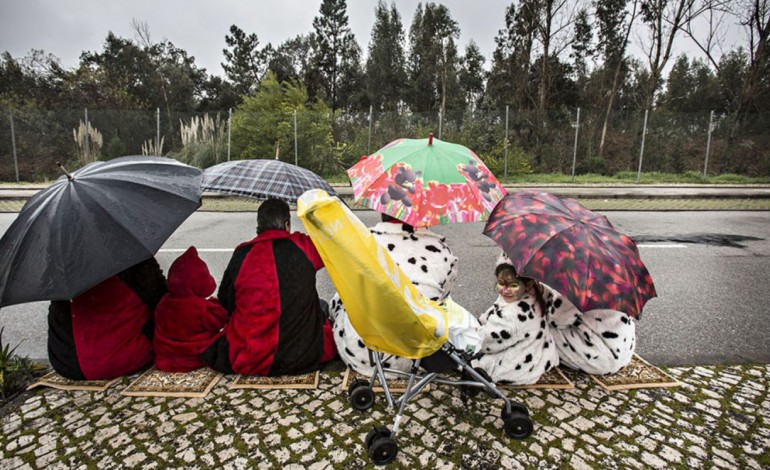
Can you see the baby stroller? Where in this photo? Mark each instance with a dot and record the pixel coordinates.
(392, 317)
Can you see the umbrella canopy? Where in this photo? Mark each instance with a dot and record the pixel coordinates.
(571, 249)
(93, 224)
(262, 179)
(426, 182)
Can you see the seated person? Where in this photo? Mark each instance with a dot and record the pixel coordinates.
(516, 344)
(187, 320)
(425, 259)
(278, 325)
(596, 342)
(106, 332)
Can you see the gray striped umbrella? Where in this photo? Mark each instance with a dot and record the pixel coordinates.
(262, 179)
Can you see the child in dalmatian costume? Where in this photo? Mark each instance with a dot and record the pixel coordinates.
(425, 259)
(596, 342)
(517, 344)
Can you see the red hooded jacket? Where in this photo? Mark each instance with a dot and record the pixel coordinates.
(187, 320)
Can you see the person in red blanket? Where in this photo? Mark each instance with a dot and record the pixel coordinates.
(278, 325)
(187, 320)
(106, 332)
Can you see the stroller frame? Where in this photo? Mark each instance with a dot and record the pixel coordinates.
(380, 441)
(362, 269)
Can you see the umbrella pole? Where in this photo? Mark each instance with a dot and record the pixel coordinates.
(61, 167)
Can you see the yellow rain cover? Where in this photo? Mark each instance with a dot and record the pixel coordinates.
(383, 306)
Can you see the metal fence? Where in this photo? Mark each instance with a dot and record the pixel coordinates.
(511, 142)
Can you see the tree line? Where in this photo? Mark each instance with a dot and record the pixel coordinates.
(551, 58)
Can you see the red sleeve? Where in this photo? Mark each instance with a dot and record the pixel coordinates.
(304, 242)
(217, 315)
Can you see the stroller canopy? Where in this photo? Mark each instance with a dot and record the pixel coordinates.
(383, 306)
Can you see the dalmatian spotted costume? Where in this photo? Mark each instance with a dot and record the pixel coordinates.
(596, 342)
(517, 343)
(425, 259)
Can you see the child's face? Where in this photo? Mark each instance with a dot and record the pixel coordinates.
(508, 286)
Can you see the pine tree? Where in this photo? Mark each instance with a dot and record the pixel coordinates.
(472, 76)
(385, 72)
(433, 62)
(244, 61)
(291, 60)
(335, 48)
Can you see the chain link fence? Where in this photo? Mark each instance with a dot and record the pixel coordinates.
(510, 142)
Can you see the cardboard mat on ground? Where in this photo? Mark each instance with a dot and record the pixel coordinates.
(156, 383)
(553, 379)
(637, 374)
(395, 385)
(304, 381)
(54, 380)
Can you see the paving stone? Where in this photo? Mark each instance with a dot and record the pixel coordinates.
(724, 455)
(653, 460)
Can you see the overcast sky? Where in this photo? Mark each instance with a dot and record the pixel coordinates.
(65, 28)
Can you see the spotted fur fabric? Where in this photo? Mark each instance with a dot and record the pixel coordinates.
(597, 342)
(425, 259)
(517, 343)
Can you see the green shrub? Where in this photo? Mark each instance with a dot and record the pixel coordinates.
(115, 147)
(518, 161)
(15, 371)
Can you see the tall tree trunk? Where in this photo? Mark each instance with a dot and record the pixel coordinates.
(758, 61)
(616, 81)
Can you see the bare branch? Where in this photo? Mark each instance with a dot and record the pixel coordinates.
(142, 32)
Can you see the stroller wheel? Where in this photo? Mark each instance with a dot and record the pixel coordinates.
(376, 433)
(516, 407)
(518, 426)
(362, 398)
(383, 450)
(355, 384)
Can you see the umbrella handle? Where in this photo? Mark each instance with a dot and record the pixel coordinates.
(61, 167)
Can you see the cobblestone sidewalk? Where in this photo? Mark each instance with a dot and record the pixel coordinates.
(718, 418)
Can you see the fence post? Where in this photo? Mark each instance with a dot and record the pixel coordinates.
(574, 150)
(88, 145)
(157, 131)
(641, 150)
(440, 123)
(13, 145)
(229, 128)
(505, 159)
(296, 161)
(369, 144)
(708, 145)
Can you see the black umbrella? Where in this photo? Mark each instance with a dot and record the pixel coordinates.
(93, 224)
(263, 179)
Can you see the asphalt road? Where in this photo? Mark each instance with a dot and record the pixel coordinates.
(711, 271)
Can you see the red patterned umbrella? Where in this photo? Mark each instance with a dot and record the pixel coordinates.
(573, 250)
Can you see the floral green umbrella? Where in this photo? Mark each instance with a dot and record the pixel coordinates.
(426, 182)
